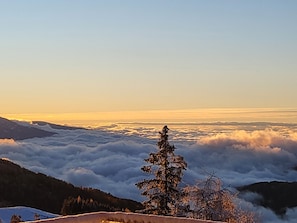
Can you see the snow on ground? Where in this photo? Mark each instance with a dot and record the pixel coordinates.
(26, 213)
(120, 217)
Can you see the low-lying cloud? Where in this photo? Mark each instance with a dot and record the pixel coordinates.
(111, 161)
(265, 140)
(7, 142)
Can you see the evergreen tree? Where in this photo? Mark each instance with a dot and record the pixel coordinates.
(162, 191)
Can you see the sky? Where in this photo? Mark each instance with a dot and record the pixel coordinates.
(120, 58)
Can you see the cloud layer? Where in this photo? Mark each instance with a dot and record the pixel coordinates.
(110, 158)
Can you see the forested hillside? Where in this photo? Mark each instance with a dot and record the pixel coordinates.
(21, 187)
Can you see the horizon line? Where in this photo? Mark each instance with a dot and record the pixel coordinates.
(272, 115)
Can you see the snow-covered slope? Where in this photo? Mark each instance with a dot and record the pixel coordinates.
(29, 214)
(121, 217)
(26, 213)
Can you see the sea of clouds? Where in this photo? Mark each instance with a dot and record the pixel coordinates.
(110, 157)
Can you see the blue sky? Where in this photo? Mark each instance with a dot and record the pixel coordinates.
(109, 56)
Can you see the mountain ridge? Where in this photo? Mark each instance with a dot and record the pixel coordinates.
(12, 130)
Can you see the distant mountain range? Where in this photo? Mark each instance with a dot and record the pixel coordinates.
(21, 187)
(13, 130)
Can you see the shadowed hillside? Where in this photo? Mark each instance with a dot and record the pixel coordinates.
(12, 130)
(278, 196)
(21, 187)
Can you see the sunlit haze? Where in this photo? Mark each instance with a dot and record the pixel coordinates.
(165, 116)
(86, 62)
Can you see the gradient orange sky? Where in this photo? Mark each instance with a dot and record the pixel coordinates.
(148, 60)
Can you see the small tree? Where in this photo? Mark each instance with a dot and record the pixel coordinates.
(80, 205)
(208, 200)
(15, 219)
(162, 190)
